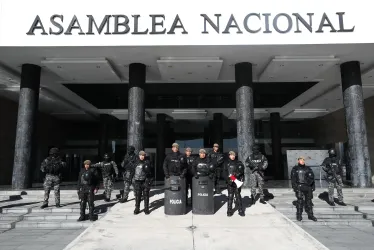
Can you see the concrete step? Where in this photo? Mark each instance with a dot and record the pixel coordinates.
(54, 216)
(343, 216)
(11, 217)
(53, 224)
(332, 222)
(293, 208)
(75, 209)
(7, 224)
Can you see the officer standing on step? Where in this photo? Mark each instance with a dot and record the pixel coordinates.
(88, 184)
(235, 168)
(53, 167)
(333, 168)
(109, 172)
(142, 182)
(303, 184)
(190, 173)
(257, 163)
(175, 163)
(128, 165)
(217, 159)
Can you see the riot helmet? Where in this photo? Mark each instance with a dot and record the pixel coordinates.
(130, 149)
(54, 151)
(106, 157)
(256, 149)
(332, 152)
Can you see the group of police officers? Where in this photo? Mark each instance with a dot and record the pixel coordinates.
(137, 171)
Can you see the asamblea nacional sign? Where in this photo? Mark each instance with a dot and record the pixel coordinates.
(168, 22)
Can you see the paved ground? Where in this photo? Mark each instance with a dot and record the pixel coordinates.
(37, 239)
(262, 228)
(343, 237)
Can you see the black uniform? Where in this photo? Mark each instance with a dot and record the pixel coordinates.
(190, 173)
(217, 159)
(128, 165)
(303, 184)
(53, 168)
(88, 181)
(142, 184)
(235, 168)
(175, 164)
(203, 167)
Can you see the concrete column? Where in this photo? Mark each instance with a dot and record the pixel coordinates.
(103, 139)
(161, 145)
(356, 124)
(25, 148)
(244, 112)
(276, 145)
(135, 128)
(217, 130)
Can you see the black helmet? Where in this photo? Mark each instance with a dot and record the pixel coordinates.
(255, 148)
(131, 149)
(54, 151)
(106, 157)
(332, 152)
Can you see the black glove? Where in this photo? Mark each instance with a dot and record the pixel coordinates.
(181, 176)
(196, 177)
(79, 194)
(167, 176)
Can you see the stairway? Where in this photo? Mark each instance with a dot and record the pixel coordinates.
(21, 209)
(359, 211)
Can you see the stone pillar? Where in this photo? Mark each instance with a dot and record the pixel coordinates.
(135, 123)
(217, 130)
(356, 124)
(244, 112)
(103, 139)
(276, 145)
(25, 146)
(161, 145)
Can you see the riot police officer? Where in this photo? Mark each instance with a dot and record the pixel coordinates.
(203, 166)
(129, 167)
(303, 184)
(109, 172)
(333, 168)
(217, 159)
(257, 163)
(142, 182)
(235, 168)
(88, 185)
(53, 167)
(190, 173)
(175, 163)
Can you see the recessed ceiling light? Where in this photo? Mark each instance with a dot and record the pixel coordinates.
(172, 78)
(170, 66)
(206, 78)
(126, 66)
(282, 65)
(370, 76)
(10, 79)
(320, 65)
(305, 77)
(190, 73)
(98, 67)
(59, 67)
(209, 66)
(271, 77)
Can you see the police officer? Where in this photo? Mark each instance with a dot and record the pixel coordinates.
(53, 167)
(302, 179)
(88, 185)
(175, 163)
(142, 182)
(233, 167)
(190, 173)
(203, 166)
(257, 163)
(129, 167)
(217, 159)
(109, 172)
(333, 168)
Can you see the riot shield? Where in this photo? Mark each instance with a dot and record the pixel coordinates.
(175, 196)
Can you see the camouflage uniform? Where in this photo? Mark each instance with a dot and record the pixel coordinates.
(129, 168)
(52, 166)
(258, 163)
(332, 166)
(108, 170)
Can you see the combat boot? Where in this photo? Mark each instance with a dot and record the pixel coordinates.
(58, 205)
(44, 205)
(123, 200)
(137, 210)
(107, 200)
(253, 201)
(341, 203)
(81, 218)
(298, 217)
(311, 217)
(331, 203)
(241, 213)
(146, 206)
(229, 212)
(262, 201)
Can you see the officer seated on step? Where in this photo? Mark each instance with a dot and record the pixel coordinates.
(303, 184)
(88, 185)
